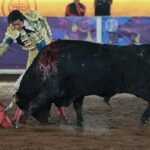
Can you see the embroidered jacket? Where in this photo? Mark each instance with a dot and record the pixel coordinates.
(32, 39)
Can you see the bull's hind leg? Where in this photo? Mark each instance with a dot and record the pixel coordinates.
(78, 108)
(145, 115)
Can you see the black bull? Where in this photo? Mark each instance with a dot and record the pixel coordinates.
(65, 71)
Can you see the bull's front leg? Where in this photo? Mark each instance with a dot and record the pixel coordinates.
(39, 108)
(78, 108)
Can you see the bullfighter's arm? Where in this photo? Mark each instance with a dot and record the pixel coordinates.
(49, 33)
(7, 41)
(33, 15)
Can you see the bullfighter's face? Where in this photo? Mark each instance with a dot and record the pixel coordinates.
(17, 24)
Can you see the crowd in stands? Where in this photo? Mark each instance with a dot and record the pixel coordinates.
(101, 7)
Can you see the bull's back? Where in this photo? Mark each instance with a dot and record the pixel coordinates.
(90, 68)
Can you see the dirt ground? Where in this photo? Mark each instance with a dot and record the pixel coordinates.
(116, 129)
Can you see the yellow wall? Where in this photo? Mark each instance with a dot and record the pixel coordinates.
(131, 8)
(57, 7)
(45, 7)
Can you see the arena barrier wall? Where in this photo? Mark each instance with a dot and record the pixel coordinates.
(111, 30)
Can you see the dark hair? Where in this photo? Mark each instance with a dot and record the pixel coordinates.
(15, 15)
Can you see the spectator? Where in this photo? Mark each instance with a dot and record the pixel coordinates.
(102, 7)
(75, 9)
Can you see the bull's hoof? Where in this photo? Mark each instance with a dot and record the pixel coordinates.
(23, 118)
(144, 120)
(18, 126)
(80, 124)
(64, 121)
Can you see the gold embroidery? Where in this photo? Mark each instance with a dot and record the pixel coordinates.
(12, 32)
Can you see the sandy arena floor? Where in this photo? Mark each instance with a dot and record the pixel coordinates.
(117, 129)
